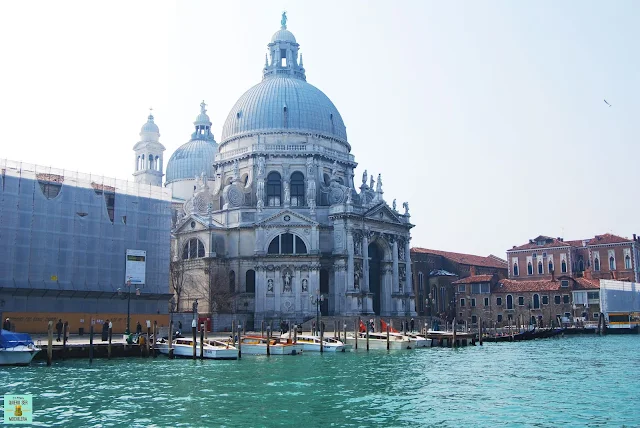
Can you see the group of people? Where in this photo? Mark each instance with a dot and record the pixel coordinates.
(62, 327)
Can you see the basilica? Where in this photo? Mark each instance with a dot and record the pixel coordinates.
(270, 222)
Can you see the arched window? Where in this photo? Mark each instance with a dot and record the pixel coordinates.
(515, 269)
(193, 249)
(509, 301)
(536, 301)
(420, 281)
(232, 281)
(274, 189)
(564, 266)
(287, 243)
(529, 269)
(596, 264)
(250, 281)
(612, 263)
(540, 268)
(297, 189)
(580, 264)
(627, 262)
(550, 266)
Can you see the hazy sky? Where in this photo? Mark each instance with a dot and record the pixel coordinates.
(488, 117)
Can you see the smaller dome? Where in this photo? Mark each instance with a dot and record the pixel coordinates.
(283, 36)
(150, 126)
(191, 160)
(203, 119)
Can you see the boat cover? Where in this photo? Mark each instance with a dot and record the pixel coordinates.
(9, 339)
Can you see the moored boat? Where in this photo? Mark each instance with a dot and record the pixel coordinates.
(212, 349)
(379, 341)
(311, 343)
(16, 349)
(257, 345)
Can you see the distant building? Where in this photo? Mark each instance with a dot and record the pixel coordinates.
(64, 239)
(435, 271)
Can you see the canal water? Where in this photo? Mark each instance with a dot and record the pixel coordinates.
(571, 381)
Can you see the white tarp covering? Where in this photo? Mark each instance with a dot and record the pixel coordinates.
(619, 296)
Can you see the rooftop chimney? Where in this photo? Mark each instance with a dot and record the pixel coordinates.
(634, 236)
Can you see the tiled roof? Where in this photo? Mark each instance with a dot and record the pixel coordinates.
(532, 245)
(465, 259)
(511, 286)
(586, 284)
(474, 279)
(576, 243)
(607, 238)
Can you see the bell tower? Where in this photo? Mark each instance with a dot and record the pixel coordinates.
(148, 155)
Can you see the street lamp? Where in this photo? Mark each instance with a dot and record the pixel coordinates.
(315, 300)
(128, 284)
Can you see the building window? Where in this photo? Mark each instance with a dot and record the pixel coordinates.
(564, 266)
(287, 243)
(529, 269)
(567, 314)
(499, 317)
(297, 189)
(596, 315)
(564, 283)
(193, 249)
(232, 281)
(627, 262)
(461, 303)
(509, 301)
(250, 281)
(485, 289)
(486, 301)
(581, 264)
(461, 288)
(536, 301)
(520, 301)
(612, 263)
(565, 298)
(593, 295)
(474, 319)
(550, 266)
(420, 281)
(499, 301)
(475, 288)
(515, 269)
(556, 300)
(596, 264)
(274, 189)
(540, 268)
(473, 302)
(545, 300)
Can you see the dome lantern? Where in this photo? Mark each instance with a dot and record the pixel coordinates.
(283, 54)
(149, 154)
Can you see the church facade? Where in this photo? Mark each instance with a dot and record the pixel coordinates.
(270, 222)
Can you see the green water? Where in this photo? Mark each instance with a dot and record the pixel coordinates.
(573, 381)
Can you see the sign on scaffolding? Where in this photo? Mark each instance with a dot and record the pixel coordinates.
(136, 266)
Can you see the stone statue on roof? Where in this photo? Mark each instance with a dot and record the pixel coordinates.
(283, 21)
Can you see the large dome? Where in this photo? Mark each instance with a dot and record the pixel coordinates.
(284, 104)
(191, 160)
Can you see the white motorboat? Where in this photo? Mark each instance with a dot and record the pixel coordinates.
(379, 341)
(418, 341)
(312, 343)
(16, 349)
(212, 349)
(257, 345)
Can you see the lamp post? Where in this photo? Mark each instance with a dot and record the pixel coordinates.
(316, 300)
(128, 284)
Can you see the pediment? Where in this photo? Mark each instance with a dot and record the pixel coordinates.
(287, 218)
(195, 223)
(382, 212)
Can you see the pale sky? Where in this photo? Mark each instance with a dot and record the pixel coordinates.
(488, 117)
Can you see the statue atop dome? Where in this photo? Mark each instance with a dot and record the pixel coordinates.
(283, 21)
(203, 107)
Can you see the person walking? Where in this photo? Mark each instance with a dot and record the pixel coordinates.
(412, 325)
(138, 328)
(6, 325)
(105, 331)
(59, 326)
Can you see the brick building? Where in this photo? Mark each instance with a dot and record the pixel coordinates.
(435, 271)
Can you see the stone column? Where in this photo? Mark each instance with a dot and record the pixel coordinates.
(394, 257)
(407, 261)
(277, 289)
(261, 292)
(296, 288)
(388, 307)
(339, 285)
(350, 262)
(365, 262)
(314, 284)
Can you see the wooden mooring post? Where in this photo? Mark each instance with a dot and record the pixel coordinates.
(193, 336)
(91, 343)
(345, 332)
(356, 332)
(155, 339)
(321, 337)
(388, 329)
(368, 337)
(148, 344)
(202, 341)
(65, 328)
(171, 340)
(110, 337)
(480, 331)
(453, 344)
(50, 343)
(268, 342)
